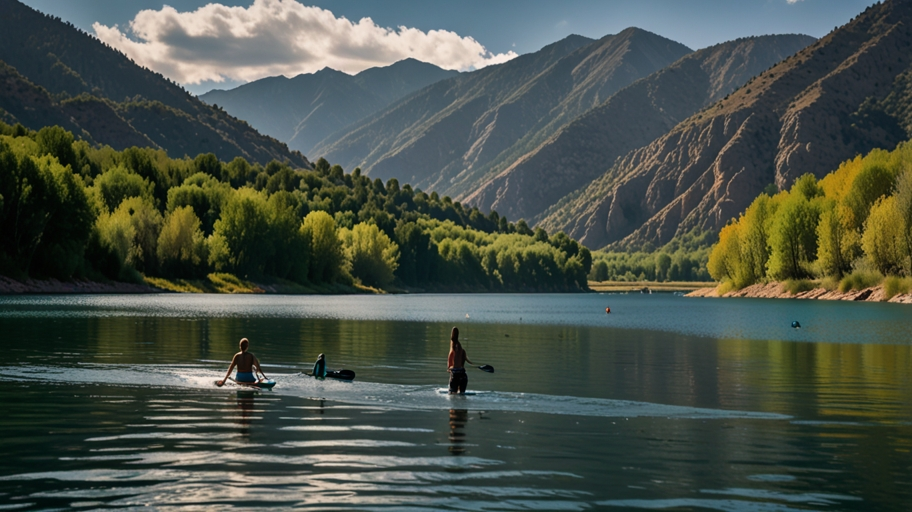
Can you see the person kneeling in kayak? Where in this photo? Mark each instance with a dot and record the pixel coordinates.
(245, 362)
(456, 361)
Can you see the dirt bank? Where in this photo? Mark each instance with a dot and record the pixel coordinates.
(10, 286)
(778, 291)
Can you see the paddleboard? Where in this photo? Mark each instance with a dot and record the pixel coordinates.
(263, 384)
(446, 391)
(338, 374)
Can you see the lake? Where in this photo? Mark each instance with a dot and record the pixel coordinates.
(667, 403)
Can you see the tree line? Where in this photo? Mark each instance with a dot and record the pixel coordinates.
(852, 228)
(68, 209)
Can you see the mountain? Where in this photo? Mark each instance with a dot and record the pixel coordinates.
(53, 73)
(846, 94)
(303, 110)
(635, 116)
(450, 135)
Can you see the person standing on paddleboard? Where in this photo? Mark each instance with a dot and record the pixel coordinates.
(245, 362)
(456, 361)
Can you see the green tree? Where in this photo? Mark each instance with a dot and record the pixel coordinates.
(838, 243)
(373, 256)
(754, 235)
(119, 183)
(662, 266)
(240, 241)
(57, 142)
(903, 197)
(793, 238)
(870, 184)
(600, 270)
(327, 260)
(292, 248)
(418, 255)
(204, 194)
(147, 224)
(182, 249)
(725, 258)
(46, 215)
(883, 239)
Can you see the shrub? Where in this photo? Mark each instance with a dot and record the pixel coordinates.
(894, 285)
(859, 280)
(796, 286)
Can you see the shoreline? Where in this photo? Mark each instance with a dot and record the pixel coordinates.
(10, 286)
(776, 290)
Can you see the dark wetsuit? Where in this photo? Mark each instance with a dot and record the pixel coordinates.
(459, 380)
(457, 358)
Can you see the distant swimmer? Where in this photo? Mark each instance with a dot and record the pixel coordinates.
(246, 363)
(456, 361)
(607, 311)
(796, 325)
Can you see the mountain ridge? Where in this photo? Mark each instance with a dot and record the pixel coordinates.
(64, 63)
(451, 130)
(636, 115)
(301, 110)
(797, 117)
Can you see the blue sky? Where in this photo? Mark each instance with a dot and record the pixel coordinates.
(205, 47)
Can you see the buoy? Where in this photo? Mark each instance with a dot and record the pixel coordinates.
(796, 325)
(607, 311)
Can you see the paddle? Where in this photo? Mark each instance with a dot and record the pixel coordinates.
(486, 368)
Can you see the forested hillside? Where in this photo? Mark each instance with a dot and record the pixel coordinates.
(844, 95)
(303, 110)
(68, 209)
(852, 228)
(54, 74)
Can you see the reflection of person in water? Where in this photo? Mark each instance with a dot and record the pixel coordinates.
(458, 420)
(456, 361)
(247, 365)
(245, 402)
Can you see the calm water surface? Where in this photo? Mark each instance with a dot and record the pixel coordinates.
(667, 403)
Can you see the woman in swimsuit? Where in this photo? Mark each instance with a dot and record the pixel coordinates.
(456, 361)
(245, 362)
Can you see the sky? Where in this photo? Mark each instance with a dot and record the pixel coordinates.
(205, 44)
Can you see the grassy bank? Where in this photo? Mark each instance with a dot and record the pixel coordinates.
(229, 283)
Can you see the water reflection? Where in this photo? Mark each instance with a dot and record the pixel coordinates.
(246, 402)
(458, 420)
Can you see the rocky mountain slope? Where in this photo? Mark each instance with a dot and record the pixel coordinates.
(54, 73)
(447, 137)
(635, 116)
(303, 110)
(844, 95)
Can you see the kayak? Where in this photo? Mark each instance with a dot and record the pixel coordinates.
(261, 384)
(338, 374)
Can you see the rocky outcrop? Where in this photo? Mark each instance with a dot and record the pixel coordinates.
(632, 118)
(777, 291)
(797, 117)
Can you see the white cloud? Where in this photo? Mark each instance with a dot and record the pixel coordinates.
(280, 37)
(793, 1)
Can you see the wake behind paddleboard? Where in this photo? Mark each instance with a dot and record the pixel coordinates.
(446, 391)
